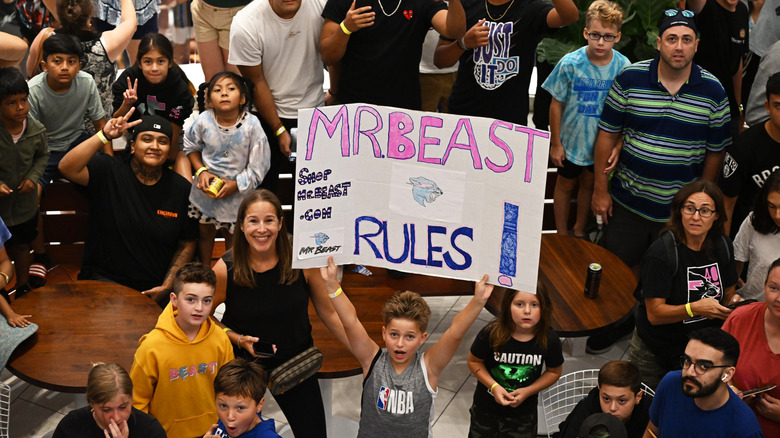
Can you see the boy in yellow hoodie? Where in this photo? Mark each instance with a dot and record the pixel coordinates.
(175, 365)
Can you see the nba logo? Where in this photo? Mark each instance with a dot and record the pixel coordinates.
(381, 401)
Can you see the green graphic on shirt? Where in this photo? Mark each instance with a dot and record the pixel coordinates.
(511, 377)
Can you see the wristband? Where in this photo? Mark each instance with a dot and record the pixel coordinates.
(280, 130)
(239, 341)
(462, 44)
(688, 309)
(5, 276)
(102, 137)
(344, 29)
(335, 294)
(490, 391)
(197, 174)
(226, 329)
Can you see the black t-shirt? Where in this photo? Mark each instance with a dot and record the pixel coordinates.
(493, 80)
(79, 423)
(724, 41)
(170, 99)
(381, 62)
(697, 277)
(516, 365)
(134, 229)
(635, 426)
(273, 312)
(748, 163)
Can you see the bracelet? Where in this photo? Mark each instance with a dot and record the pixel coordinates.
(280, 130)
(197, 174)
(335, 294)
(492, 386)
(239, 341)
(226, 329)
(344, 29)
(688, 309)
(462, 44)
(102, 137)
(7, 279)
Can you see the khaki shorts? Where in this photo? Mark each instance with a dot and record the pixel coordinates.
(212, 23)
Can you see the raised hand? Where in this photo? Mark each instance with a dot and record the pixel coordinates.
(477, 36)
(359, 18)
(115, 127)
(130, 96)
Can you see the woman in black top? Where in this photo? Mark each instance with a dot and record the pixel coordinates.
(267, 300)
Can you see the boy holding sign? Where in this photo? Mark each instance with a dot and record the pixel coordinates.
(399, 382)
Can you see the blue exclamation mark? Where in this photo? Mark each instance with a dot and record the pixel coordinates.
(507, 266)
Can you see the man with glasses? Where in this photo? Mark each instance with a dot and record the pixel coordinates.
(697, 401)
(672, 119)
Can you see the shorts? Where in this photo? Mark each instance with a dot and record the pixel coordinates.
(571, 170)
(24, 233)
(651, 367)
(213, 23)
(436, 89)
(140, 31)
(628, 235)
(52, 171)
(485, 424)
(195, 213)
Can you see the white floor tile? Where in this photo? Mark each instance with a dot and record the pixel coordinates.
(18, 386)
(454, 420)
(56, 401)
(29, 420)
(456, 372)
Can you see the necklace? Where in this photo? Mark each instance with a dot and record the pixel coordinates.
(394, 11)
(488, 12)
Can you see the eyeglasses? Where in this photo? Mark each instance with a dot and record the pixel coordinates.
(705, 212)
(674, 12)
(700, 367)
(595, 36)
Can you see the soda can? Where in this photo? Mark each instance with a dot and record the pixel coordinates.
(593, 280)
(215, 187)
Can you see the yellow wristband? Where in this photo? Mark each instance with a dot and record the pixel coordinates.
(492, 386)
(344, 29)
(197, 174)
(688, 309)
(226, 329)
(335, 294)
(102, 137)
(280, 130)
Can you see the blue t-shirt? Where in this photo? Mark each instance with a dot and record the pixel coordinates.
(582, 87)
(264, 429)
(676, 415)
(4, 233)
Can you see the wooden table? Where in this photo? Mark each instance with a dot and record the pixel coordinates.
(79, 323)
(563, 267)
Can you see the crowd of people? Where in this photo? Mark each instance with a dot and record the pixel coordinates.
(657, 148)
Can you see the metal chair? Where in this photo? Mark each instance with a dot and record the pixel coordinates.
(559, 400)
(5, 406)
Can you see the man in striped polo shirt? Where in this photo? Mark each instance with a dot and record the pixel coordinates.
(673, 120)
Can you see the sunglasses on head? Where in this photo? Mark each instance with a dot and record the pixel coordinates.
(674, 12)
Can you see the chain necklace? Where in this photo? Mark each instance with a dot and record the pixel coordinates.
(396, 8)
(488, 12)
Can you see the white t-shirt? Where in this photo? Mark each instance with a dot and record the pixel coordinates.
(760, 250)
(287, 50)
(429, 48)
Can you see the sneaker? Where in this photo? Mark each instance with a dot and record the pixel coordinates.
(37, 275)
(22, 291)
(599, 344)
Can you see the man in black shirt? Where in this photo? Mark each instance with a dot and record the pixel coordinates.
(751, 159)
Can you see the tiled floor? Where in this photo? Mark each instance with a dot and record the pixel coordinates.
(35, 412)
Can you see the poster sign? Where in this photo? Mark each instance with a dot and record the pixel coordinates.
(428, 193)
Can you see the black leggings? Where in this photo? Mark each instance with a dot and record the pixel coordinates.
(304, 410)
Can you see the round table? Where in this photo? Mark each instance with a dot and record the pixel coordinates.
(80, 323)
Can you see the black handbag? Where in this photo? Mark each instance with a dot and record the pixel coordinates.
(289, 374)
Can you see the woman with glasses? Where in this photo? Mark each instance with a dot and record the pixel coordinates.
(758, 239)
(757, 328)
(688, 278)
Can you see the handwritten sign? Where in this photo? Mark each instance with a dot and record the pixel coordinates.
(428, 193)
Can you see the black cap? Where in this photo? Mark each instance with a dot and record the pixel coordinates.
(614, 426)
(155, 124)
(681, 18)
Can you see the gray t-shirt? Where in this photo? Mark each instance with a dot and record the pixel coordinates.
(397, 404)
(63, 113)
(758, 249)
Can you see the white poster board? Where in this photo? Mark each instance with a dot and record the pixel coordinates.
(428, 193)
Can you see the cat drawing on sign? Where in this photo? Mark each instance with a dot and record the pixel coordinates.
(424, 190)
